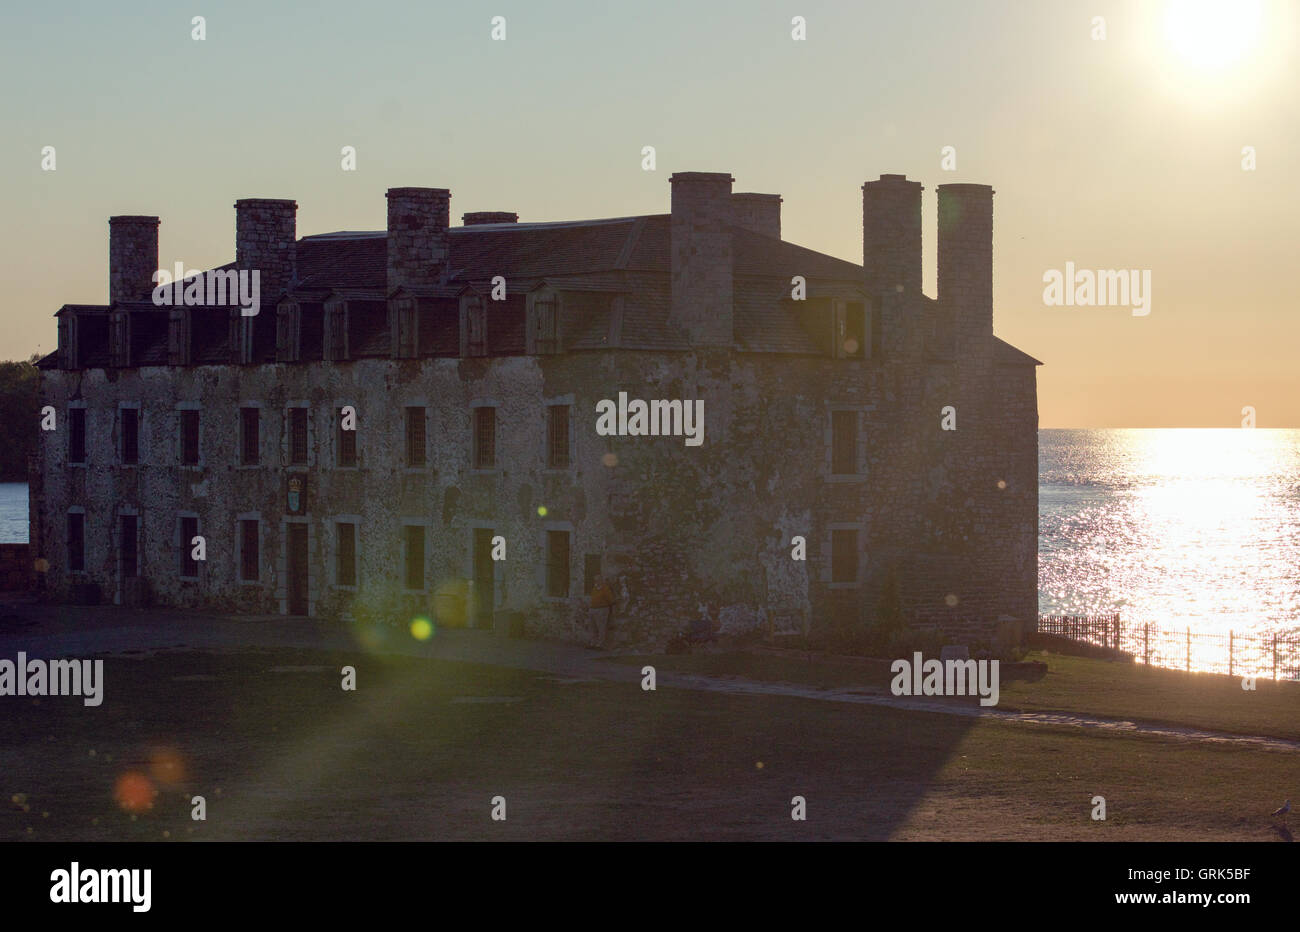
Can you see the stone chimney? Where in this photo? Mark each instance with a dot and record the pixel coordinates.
(132, 257)
(417, 237)
(701, 257)
(759, 213)
(891, 235)
(266, 240)
(480, 217)
(966, 262)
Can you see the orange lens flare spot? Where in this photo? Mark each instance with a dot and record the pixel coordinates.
(166, 766)
(134, 792)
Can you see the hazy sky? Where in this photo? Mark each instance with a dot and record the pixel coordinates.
(1122, 153)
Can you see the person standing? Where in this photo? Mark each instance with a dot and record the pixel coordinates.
(602, 607)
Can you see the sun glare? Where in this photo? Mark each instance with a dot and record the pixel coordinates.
(1212, 34)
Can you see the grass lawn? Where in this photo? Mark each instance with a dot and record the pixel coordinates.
(420, 749)
(1076, 685)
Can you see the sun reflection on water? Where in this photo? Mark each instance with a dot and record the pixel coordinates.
(1178, 528)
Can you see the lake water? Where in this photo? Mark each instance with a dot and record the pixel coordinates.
(1178, 528)
(13, 512)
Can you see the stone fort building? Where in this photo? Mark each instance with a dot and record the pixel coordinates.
(471, 361)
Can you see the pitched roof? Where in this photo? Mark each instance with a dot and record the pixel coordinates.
(599, 259)
(1008, 355)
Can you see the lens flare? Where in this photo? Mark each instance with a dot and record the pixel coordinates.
(421, 629)
(134, 792)
(167, 767)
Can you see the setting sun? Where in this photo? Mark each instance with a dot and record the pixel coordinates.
(1213, 33)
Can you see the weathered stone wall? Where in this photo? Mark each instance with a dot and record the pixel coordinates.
(675, 525)
(891, 242)
(266, 241)
(702, 249)
(418, 219)
(760, 213)
(132, 257)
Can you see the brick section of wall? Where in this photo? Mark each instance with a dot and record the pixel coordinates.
(760, 213)
(266, 240)
(417, 236)
(132, 257)
(966, 261)
(701, 260)
(478, 217)
(891, 234)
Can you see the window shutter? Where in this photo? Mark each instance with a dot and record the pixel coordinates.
(544, 324)
(476, 329)
(176, 342)
(336, 330)
(119, 339)
(287, 333)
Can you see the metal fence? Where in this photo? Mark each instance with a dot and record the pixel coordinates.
(1275, 656)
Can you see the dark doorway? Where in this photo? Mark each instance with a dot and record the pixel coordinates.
(297, 564)
(484, 578)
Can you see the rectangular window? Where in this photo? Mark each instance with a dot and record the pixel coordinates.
(544, 326)
(557, 437)
(844, 443)
(128, 546)
(76, 542)
(189, 437)
(347, 442)
(76, 435)
(189, 531)
(130, 436)
(250, 436)
(844, 556)
(414, 556)
(485, 438)
(416, 454)
(297, 436)
(249, 559)
(475, 317)
(345, 567)
(557, 564)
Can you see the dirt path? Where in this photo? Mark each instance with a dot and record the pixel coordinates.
(62, 631)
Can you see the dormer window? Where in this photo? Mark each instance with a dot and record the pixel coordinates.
(473, 325)
(406, 327)
(288, 332)
(543, 322)
(336, 330)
